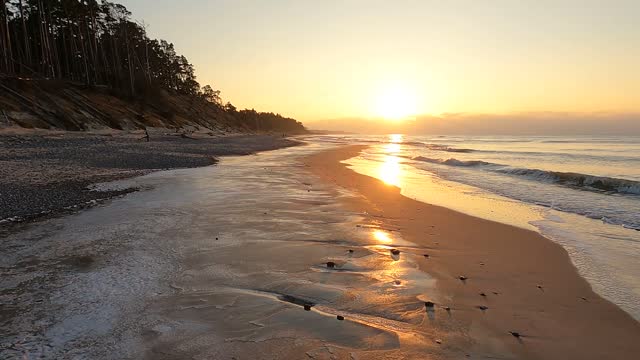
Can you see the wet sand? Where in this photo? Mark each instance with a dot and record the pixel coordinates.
(516, 280)
(258, 258)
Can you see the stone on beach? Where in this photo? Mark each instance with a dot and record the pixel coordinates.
(482, 307)
(429, 304)
(515, 334)
(395, 251)
(307, 307)
(331, 264)
(340, 317)
(462, 278)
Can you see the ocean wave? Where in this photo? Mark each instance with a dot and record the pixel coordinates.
(452, 161)
(574, 180)
(437, 147)
(583, 181)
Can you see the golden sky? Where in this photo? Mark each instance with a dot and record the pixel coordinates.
(315, 60)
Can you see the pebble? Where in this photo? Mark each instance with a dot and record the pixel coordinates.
(462, 278)
(331, 264)
(482, 307)
(395, 251)
(307, 307)
(340, 317)
(429, 304)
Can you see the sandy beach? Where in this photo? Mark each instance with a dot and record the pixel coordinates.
(525, 283)
(288, 254)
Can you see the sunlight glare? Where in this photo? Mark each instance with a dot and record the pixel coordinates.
(390, 170)
(396, 103)
(382, 236)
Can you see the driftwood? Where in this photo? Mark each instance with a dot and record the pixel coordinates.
(185, 136)
(146, 135)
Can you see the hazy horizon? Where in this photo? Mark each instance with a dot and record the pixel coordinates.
(536, 123)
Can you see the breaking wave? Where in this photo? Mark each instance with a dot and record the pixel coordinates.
(437, 147)
(452, 161)
(583, 181)
(574, 180)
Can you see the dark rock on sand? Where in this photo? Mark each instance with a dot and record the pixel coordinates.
(340, 317)
(429, 304)
(331, 264)
(462, 278)
(296, 300)
(515, 334)
(395, 251)
(482, 307)
(80, 261)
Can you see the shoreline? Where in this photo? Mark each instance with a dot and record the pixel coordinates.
(529, 284)
(47, 174)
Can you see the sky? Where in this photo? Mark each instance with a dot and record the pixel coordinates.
(409, 59)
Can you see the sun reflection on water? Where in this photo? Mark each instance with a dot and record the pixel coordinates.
(391, 170)
(395, 138)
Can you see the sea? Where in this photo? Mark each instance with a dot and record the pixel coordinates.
(582, 192)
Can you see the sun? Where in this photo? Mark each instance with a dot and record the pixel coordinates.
(396, 103)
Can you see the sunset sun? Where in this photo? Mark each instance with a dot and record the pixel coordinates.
(395, 103)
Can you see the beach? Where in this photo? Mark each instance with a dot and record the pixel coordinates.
(527, 282)
(291, 254)
(46, 173)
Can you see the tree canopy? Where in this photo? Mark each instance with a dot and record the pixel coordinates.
(95, 42)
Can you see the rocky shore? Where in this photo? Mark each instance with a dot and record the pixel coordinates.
(46, 173)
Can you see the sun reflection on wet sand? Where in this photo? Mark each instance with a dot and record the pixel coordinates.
(382, 236)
